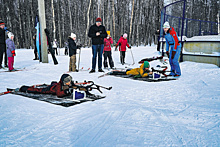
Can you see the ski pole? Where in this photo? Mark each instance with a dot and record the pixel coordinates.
(79, 58)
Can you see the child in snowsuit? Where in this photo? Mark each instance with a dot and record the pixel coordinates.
(142, 71)
(172, 40)
(72, 52)
(107, 52)
(10, 51)
(122, 43)
(60, 89)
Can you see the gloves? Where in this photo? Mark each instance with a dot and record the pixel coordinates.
(173, 54)
(168, 55)
(67, 92)
(5, 28)
(119, 44)
(79, 46)
(138, 76)
(129, 47)
(13, 53)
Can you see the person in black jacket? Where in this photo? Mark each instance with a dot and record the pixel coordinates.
(97, 32)
(3, 29)
(35, 49)
(72, 52)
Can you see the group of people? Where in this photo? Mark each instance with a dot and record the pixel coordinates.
(101, 45)
(9, 43)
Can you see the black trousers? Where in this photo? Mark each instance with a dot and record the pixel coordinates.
(122, 57)
(108, 55)
(66, 51)
(3, 51)
(35, 53)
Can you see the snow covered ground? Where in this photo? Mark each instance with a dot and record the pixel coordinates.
(184, 112)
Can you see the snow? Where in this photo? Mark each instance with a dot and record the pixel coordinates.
(184, 112)
(206, 38)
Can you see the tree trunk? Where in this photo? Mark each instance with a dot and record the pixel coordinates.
(87, 26)
(132, 12)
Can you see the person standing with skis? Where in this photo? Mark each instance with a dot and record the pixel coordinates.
(35, 49)
(10, 51)
(107, 51)
(3, 29)
(97, 32)
(172, 40)
(72, 52)
(55, 46)
(122, 43)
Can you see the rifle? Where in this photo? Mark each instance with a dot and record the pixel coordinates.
(161, 71)
(150, 59)
(89, 85)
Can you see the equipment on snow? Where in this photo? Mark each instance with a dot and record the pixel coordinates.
(150, 59)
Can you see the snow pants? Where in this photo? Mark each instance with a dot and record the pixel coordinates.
(122, 57)
(174, 63)
(97, 49)
(108, 54)
(72, 65)
(10, 63)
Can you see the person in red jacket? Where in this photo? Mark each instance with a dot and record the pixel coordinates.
(122, 43)
(61, 89)
(107, 52)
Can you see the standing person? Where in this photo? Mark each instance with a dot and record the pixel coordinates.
(10, 51)
(72, 52)
(157, 34)
(97, 32)
(107, 51)
(122, 43)
(66, 48)
(3, 29)
(35, 48)
(172, 40)
(55, 46)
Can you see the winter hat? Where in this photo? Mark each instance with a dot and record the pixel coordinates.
(125, 35)
(10, 34)
(98, 19)
(2, 22)
(166, 25)
(108, 32)
(72, 35)
(65, 78)
(146, 64)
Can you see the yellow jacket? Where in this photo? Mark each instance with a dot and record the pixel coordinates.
(138, 71)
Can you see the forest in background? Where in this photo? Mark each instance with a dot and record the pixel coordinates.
(138, 18)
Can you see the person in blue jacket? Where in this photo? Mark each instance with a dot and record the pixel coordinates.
(172, 40)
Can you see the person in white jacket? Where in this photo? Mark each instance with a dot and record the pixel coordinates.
(55, 46)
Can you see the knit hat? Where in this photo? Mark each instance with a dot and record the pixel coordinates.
(10, 34)
(125, 35)
(65, 78)
(98, 19)
(166, 25)
(108, 32)
(146, 64)
(2, 22)
(72, 35)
